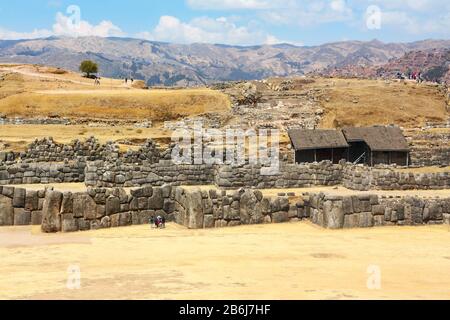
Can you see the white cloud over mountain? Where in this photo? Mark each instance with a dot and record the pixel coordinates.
(247, 22)
(65, 25)
(207, 30)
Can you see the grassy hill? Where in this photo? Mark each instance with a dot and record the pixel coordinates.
(31, 91)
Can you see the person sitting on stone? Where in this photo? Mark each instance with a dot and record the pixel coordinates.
(152, 222)
(158, 222)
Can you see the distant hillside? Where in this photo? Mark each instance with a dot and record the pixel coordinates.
(174, 64)
(433, 64)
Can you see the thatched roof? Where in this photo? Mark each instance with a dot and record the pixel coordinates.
(379, 138)
(317, 139)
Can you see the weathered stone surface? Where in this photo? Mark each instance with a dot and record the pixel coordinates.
(250, 209)
(106, 222)
(333, 214)
(142, 217)
(280, 217)
(115, 220)
(351, 221)
(112, 205)
(156, 201)
(347, 205)
(125, 219)
(366, 220)
(145, 192)
(6, 211)
(83, 224)
(22, 217)
(67, 203)
(69, 223)
(378, 210)
(194, 209)
(19, 198)
(51, 220)
(36, 218)
(84, 206)
(209, 221)
(31, 200)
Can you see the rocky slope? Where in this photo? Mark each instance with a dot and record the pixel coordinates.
(433, 64)
(196, 64)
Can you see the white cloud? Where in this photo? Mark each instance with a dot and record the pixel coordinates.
(13, 35)
(406, 22)
(310, 14)
(64, 26)
(207, 30)
(239, 4)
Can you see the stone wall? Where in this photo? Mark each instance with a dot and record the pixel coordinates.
(364, 211)
(100, 208)
(430, 149)
(47, 150)
(118, 174)
(42, 173)
(20, 207)
(289, 176)
(363, 178)
(197, 209)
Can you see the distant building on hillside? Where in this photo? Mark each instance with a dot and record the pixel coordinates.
(319, 145)
(377, 145)
(371, 145)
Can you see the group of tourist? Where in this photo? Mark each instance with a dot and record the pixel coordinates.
(411, 76)
(159, 222)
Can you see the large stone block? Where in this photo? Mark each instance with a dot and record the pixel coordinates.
(146, 192)
(51, 220)
(19, 198)
(68, 223)
(22, 217)
(67, 203)
(156, 201)
(333, 214)
(6, 211)
(112, 205)
(347, 205)
(31, 200)
(351, 221)
(250, 209)
(366, 220)
(209, 221)
(194, 209)
(378, 210)
(84, 206)
(280, 217)
(8, 191)
(36, 218)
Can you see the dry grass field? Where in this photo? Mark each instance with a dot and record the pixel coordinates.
(28, 91)
(352, 102)
(18, 138)
(279, 261)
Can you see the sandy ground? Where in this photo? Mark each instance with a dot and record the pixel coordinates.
(284, 261)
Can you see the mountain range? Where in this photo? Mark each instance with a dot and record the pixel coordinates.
(198, 64)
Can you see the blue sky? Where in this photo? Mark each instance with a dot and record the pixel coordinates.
(238, 22)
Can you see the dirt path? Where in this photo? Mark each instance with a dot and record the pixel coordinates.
(29, 71)
(284, 261)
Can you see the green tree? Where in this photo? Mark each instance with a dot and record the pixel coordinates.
(88, 67)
